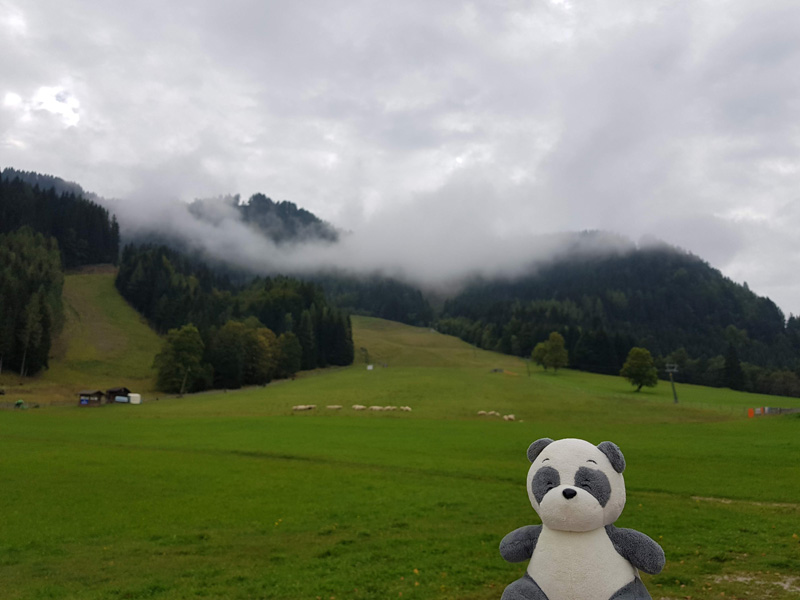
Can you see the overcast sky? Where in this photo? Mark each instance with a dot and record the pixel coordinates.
(444, 134)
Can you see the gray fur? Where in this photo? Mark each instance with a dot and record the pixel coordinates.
(543, 481)
(519, 544)
(595, 482)
(523, 588)
(638, 549)
(536, 448)
(635, 590)
(614, 454)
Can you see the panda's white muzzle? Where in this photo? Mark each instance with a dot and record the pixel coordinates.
(567, 508)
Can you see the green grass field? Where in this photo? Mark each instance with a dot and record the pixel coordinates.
(231, 495)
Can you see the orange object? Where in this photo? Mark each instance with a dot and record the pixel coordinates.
(751, 412)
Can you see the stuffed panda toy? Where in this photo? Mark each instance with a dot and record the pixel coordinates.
(576, 553)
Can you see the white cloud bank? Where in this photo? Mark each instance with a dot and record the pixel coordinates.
(444, 134)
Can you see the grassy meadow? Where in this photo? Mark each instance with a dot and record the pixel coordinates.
(232, 495)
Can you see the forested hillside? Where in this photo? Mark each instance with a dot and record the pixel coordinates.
(46, 182)
(282, 222)
(173, 291)
(377, 296)
(668, 301)
(45, 226)
(30, 299)
(85, 231)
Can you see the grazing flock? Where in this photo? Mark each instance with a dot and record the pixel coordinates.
(299, 407)
(494, 413)
(376, 408)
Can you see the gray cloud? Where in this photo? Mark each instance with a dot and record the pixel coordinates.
(443, 134)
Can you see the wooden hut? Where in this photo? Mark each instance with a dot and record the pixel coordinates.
(91, 397)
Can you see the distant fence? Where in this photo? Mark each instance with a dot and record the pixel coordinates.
(770, 410)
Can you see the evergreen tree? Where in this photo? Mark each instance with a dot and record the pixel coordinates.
(305, 335)
(226, 354)
(290, 356)
(31, 314)
(594, 352)
(734, 375)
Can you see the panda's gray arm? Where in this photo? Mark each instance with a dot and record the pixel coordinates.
(519, 544)
(638, 549)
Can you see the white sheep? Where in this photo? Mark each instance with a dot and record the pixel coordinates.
(304, 407)
(405, 408)
(482, 413)
(334, 406)
(376, 407)
(359, 407)
(509, 418)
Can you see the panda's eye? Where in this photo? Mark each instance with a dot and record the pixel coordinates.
(595, 482)
(544, 480)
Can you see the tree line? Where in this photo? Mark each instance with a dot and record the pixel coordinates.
(377, 296)
(85, 231)
(667, 301)
(31, 311)
(271, 327)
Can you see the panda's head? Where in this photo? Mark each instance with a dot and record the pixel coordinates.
(574, 485)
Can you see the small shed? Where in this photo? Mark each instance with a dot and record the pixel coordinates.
(118, 394)
(91, 397)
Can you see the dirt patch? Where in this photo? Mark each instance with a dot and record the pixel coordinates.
(792, 505)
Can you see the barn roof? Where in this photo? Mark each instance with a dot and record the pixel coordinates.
(118, 391)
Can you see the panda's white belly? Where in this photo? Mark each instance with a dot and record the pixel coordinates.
(578, 566)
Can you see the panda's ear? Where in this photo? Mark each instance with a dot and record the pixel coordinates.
(614, 454)
(536, 447)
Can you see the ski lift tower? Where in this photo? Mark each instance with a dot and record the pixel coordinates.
(672, 368)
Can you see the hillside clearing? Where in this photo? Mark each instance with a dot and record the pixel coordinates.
(104, 344)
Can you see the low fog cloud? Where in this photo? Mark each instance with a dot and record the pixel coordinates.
(417, 242)
(447, 136)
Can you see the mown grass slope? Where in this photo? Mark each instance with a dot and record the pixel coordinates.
(104, 343)
(232, 495)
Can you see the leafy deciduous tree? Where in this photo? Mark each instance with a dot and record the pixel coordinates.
(552, 353)
(180, 362)
(640, 369)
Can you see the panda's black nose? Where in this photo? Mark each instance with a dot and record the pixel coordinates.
(569, 493)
